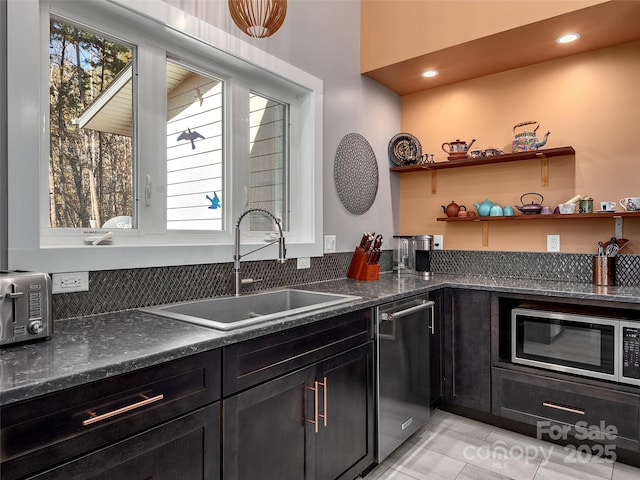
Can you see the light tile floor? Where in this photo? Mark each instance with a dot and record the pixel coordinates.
(451, 447)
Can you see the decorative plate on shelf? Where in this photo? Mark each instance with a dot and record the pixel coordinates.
(404, 149)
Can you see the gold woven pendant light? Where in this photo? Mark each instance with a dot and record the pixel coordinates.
(258, 18)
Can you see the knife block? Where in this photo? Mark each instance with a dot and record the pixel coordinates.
(360, 269)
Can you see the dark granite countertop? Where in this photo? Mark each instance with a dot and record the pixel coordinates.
(91, 348)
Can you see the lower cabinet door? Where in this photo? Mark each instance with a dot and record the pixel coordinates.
(264, 430)
(467, 348)
(313, 424)
(435, 350)
(344, 444)
(185, 448)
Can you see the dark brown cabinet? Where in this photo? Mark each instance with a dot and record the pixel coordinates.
(315, 422)
(436, 394)
(345, 440)
(540, 400)
(265, 429)
(98, 427)
(187, 447)
(467, 348)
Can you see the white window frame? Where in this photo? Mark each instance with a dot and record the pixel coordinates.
(32, 245)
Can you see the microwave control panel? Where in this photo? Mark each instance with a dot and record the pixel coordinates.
(631, 352)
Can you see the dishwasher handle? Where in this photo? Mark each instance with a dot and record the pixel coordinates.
(407, 311)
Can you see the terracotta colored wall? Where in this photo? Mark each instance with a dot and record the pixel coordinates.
(589, 101)
(411, 28)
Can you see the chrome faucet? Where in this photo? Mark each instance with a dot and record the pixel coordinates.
(282, 252)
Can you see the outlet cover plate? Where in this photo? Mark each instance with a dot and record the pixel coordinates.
(70, 282)
(553, 243)
(304, 262)
(438, 242)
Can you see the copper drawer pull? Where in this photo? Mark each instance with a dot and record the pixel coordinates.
(564, 408)
(98, 418)
(316, 408)
(324, 414)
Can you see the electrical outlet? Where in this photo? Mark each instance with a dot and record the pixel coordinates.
(438, 242)
(553, 243)
(329, 244)
(70, 282)
(304, 262)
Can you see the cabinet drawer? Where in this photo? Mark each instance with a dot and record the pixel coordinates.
(249, 363)
(531, 398)
(47, 430)
(184, 448)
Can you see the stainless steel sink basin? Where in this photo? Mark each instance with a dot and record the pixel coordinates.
(228, 313)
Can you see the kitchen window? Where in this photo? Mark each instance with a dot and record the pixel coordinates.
(159, 136)
(91, 154)
(195, 120)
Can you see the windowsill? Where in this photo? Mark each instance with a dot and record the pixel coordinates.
(113, 257)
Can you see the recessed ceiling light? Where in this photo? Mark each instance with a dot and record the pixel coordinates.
(568, 38)
(430, 73)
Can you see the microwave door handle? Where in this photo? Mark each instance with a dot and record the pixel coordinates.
(408, 311)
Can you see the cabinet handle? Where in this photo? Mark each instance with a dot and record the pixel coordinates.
(94, 417)
(316, 409)
(324, 406)
(315, 406)
(564, 408)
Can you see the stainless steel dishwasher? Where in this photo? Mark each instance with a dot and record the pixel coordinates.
(402, 346)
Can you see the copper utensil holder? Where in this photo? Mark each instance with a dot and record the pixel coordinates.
(604, 270)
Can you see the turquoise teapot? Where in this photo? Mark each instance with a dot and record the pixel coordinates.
(484, 208)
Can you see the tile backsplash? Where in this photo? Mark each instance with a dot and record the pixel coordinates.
(115, 290)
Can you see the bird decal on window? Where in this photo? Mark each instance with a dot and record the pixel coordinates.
(198, 95)
(215, 201)
(189, 135)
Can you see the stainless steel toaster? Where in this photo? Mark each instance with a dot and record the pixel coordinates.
(25, 306)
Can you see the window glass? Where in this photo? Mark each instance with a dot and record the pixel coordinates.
(194, 150)
(268, 154)
(91, 159)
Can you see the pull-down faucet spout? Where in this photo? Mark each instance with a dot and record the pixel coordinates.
(282, 252)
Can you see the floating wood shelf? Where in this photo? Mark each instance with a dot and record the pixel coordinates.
(484, 221)
(575, 216)
(471, 162)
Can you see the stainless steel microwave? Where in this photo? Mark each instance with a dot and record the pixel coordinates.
(593, 346)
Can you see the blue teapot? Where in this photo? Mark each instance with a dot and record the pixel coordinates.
(484, 209)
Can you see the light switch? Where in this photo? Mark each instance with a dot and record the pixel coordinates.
(329, 244)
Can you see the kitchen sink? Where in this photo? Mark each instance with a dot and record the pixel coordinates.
(229, 313)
